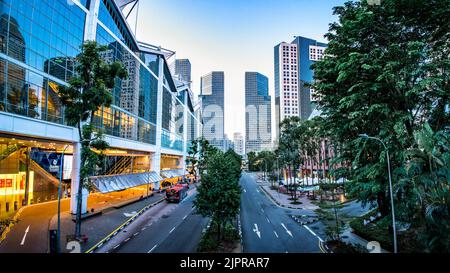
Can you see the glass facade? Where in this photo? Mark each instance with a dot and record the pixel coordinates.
(258, 116)
(172, 121)
(44, 35)
(135, 97)
(212, 94)
(39, 41)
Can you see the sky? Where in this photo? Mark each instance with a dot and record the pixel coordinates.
(233, 36)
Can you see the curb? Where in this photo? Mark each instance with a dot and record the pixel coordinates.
(324, 248)
(240, 233)
(10, 226)
(275, 201)
(122, 226)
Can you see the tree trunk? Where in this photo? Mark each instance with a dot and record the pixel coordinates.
(383, 207)
(218, 232)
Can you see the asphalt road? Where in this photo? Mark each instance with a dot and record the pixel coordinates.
(267, 228)
(30, 234)
(36, 219)
(177, 231)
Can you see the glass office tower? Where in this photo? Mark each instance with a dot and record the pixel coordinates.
(258, 126)
(39, 42)
(212, 87)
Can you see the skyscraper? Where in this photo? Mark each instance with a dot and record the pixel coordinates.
(212, 88)
(292, 62)
(258, 114)
(238, 141)
(309, 51)
(183, 69)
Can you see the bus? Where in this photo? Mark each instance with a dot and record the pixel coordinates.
(176, 193)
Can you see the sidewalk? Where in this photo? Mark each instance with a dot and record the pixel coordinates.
(282, 199)
(99, 226)
(31, 233)
(349, 237)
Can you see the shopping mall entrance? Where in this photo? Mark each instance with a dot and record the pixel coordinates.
(30, 171)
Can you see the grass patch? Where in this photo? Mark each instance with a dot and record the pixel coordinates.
(377, 231)
(408, 241)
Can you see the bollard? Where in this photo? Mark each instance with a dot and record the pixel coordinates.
(7, 206)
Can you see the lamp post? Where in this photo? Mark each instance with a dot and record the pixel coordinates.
(278, 172)
(58, 233)
(365, 136)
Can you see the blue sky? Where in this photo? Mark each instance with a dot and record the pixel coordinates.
(232, 36)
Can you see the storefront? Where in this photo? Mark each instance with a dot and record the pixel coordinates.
(30, 171)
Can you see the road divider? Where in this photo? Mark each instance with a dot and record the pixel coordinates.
(122, 226)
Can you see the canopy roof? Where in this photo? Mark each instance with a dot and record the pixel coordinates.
(173, 173)
(111, 183)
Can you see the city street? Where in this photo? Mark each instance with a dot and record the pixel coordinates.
(169, 228)
(30, 233)
(267, 228)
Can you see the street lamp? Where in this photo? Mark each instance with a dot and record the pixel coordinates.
(278, 172)
(58, 234)
(365, 136)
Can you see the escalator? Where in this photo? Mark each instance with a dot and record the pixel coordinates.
(37, 169)
(8, 151)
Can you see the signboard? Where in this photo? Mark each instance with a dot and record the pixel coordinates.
(53, 167)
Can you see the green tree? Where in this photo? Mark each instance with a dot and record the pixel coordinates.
(236, 160)
(86, 92)
(424, 188)
(219, 193)
(384, 73)
(197, 154)
(266, 161)
(252, 162)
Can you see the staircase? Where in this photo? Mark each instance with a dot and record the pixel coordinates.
(123, 165)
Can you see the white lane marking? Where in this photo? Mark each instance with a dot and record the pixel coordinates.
(184, 218)
(116, 246)
(276, 234)
(257, 231)
(262, 210)
(287, 230)
(25, 236)
(172, 230)
(136, 234)
(257, 190)
(126, 214)
(313, 233)
(144, 228)
(268, 220)
(153, 248)
(127, 239)
(245, 190)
